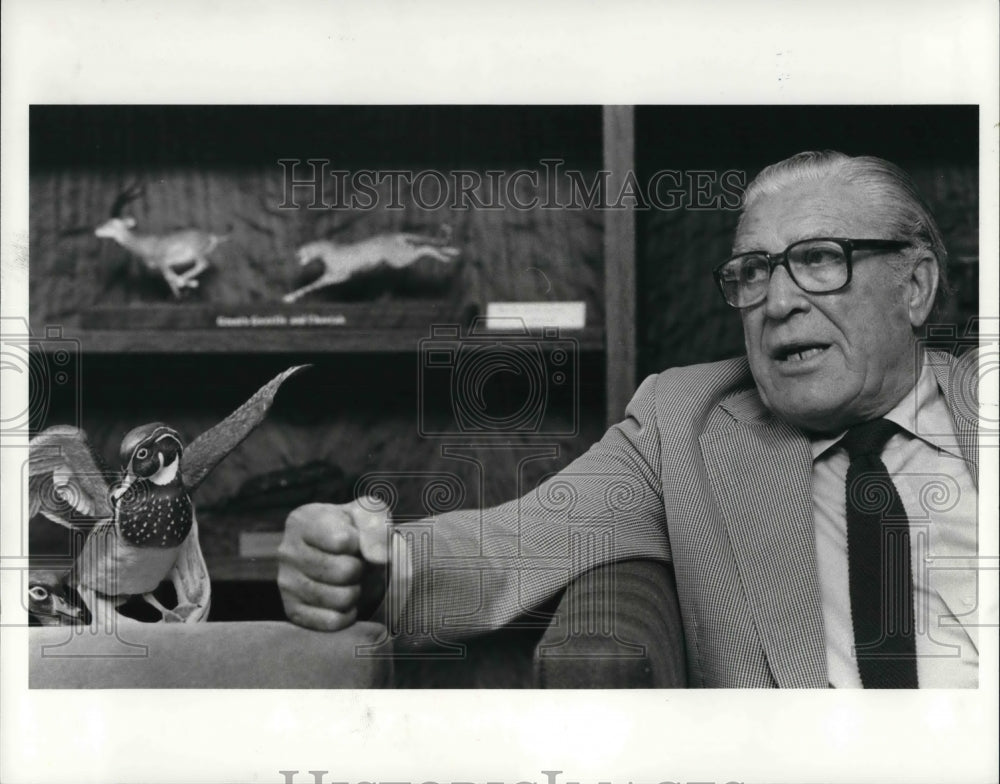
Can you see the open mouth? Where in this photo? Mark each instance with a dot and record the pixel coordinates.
(799, 352)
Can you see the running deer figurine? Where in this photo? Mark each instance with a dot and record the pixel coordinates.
(342, 261)
(162, 253)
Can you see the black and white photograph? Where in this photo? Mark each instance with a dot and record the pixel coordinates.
(332, 417)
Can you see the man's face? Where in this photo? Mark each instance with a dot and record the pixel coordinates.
(823, 362)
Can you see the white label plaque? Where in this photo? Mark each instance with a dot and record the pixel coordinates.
(565, 315)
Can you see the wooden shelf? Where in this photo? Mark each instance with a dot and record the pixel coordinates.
(278, 341)
(233, 568)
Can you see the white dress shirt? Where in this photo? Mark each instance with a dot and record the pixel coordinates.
(940, 498)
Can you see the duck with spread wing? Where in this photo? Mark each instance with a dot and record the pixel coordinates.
(140, 527)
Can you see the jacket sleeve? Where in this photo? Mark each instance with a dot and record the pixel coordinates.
(472, 571)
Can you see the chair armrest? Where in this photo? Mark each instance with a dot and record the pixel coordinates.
(249, 655)
(617, 626)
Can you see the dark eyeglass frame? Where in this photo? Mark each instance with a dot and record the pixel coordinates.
(774, 260)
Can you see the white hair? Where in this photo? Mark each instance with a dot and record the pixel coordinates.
(908, 214)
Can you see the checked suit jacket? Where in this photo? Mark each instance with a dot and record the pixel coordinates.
(699, 474)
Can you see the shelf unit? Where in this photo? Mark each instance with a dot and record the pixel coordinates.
(130, 371)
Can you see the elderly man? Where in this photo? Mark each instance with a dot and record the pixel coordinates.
(797, 491)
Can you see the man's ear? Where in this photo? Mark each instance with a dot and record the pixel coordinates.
(921, 288)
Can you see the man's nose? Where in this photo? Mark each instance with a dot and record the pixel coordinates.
(784, 296)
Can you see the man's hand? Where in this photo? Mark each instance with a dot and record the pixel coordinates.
(325, 553)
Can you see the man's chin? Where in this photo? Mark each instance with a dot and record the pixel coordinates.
(817, 425)
(814, 415)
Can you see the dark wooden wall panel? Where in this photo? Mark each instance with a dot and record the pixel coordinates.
(681, 318)
(217, 168)
(505, 254)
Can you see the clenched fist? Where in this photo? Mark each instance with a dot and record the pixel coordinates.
(332, 561)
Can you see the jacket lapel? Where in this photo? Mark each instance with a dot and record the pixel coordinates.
(760, 473)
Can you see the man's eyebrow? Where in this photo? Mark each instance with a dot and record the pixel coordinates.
(741, 247)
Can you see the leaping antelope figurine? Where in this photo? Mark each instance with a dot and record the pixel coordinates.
(162, 253)
(342, 261)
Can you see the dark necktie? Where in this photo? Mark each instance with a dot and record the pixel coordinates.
(878, 555)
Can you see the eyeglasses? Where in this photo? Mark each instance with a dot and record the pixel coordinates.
(818, 266)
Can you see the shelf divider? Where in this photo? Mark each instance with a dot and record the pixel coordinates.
(619, 263)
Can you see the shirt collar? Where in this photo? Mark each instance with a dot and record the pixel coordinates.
(923, 403)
